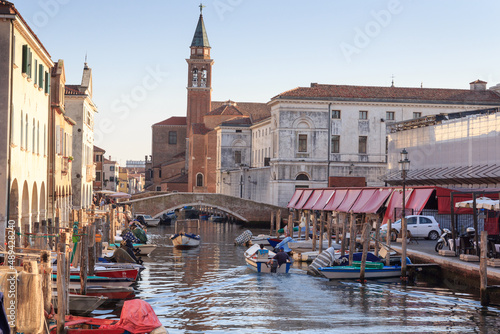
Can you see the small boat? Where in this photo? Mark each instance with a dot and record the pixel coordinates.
(111, 272)
(306, 245)
(216, 219)
(108, 292)
(147, 220)
(137, 316)
(144, 249)
(185, 240)
(80, 304)
(258, 263)
(373, 270)
(74, 281)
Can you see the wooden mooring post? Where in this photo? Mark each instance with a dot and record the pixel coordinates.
(483, 274)
(290, 226)
(352, 237)
(272, 223)
(329, 228)
(62, 288)
(278, 222)
(84, 260)
(388, 243)
(308, 221)
(321, 229)
(344, 235)
(314, 232)
(366, 244)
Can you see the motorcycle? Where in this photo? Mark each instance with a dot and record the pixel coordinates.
(444, 240)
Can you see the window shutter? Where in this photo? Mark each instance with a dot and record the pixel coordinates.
(24, 67)
(40, 76)
(47, 83)
(58, 140)
(30, 59)
(36, 71)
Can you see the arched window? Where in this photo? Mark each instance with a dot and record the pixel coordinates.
(203, 81)
(195, 77)
(199, 180)
(302, 177)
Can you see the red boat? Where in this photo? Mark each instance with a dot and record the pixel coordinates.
(111, 272)
(109, 292)
(85, 325)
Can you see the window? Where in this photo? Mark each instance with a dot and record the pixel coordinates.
(172, 137)
(159, 173)
(237, 157)
(47, 83)
(411, 221)
(336, 114)
(112, 168)
(158, 188)
(267, 161)
(362, 144)
(424, 220)
(335, 144)
(111, 179)
(98, 176)
(195, 77)
(203, 80)
(389, 115)
(199, 180)
(417, 114)
(302, 143)
(238, 131)
(302, 177)
(363, 114)
(40, 76)
(36, 72)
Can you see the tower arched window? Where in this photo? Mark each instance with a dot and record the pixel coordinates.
(199, 180)
(203, 81)
(302, 177)
(195, 77)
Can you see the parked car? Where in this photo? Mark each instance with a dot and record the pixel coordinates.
(419, 226)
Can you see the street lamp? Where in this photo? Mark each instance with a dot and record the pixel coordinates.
(404, 167)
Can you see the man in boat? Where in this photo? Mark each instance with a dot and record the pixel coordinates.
(262, 252)
(280, 258)
(139, 233)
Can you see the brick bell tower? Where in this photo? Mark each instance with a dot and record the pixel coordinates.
(199, 76)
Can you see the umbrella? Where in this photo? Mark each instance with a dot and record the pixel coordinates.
(481, 203)
(106, 192)
(120, 195)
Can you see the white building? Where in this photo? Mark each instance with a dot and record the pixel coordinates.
(81, 108)
(25, 67)
(460, 150)
(111, 174)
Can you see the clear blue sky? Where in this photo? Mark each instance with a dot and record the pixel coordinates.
(260, 48)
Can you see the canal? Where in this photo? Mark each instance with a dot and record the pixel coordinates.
(210, 290)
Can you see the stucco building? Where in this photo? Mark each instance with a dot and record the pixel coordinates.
(25, 67)
(111, 174)
(98, 158)
(81, 108)
(60, 141)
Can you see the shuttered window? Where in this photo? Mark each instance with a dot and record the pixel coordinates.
(47, 83)
(40, 75)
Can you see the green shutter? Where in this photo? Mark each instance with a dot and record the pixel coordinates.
(47, 83)
(24, 67)
(30, 59)
(40, 76)
(36, 71)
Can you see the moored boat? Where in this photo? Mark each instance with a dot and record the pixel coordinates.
(111, 272)
(74, 281)
(80, 304)
(373, 270)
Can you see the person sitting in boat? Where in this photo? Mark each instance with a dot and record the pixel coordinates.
(262, 252)
(280, 257)
(139, 233)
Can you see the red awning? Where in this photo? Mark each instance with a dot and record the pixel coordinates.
(312, 199)
(396, 201)
(303, 199)
(335, 201)
(349, 200)
(364, 197)
(295, 198)
(418, 199)
(376, 201)
(324, 199)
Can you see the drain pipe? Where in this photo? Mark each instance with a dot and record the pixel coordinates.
(329, 144)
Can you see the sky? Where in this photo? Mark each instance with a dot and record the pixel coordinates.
(137, 51)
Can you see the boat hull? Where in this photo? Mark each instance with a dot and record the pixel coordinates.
(348, 272)
(185, 241)
(79, 304)
(260, 266)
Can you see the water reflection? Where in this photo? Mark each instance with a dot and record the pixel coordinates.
(209, 290)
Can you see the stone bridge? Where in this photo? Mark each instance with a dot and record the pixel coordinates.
(157, 203)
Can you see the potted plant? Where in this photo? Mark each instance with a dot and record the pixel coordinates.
(70, 158)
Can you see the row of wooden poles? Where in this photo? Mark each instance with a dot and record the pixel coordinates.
(94, 228)
(340, 222)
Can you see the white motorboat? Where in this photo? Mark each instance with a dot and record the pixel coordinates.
(147, 220)
(185, 240)
(259, 262)
(306, 245)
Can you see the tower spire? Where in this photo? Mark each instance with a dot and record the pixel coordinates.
(200, 35)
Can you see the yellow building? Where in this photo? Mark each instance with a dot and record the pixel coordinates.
(123, 180)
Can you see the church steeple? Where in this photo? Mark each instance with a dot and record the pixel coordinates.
(200, 38)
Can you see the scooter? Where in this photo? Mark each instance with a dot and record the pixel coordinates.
(444, 240)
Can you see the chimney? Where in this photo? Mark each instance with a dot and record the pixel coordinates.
(314, 84)
(478, 85)
(110, 158)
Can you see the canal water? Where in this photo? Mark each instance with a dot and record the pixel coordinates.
(210, 290)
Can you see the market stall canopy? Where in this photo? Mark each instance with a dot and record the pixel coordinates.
(418, 199)
(481, 203)
(120, 195)
(396, 201)
(336, 199)
(376, 200)
(303, 199)
(312, 200)
(349, 200)
(324, 199)
(295, 198)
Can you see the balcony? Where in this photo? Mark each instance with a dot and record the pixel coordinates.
(64, 166)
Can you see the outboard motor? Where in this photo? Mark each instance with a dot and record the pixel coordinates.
(274, 266)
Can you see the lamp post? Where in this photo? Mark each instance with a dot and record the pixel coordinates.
(404, 166)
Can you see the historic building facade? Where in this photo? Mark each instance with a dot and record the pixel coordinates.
(81, 108)
(25, 67)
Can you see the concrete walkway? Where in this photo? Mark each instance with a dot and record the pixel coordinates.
(424, 252)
